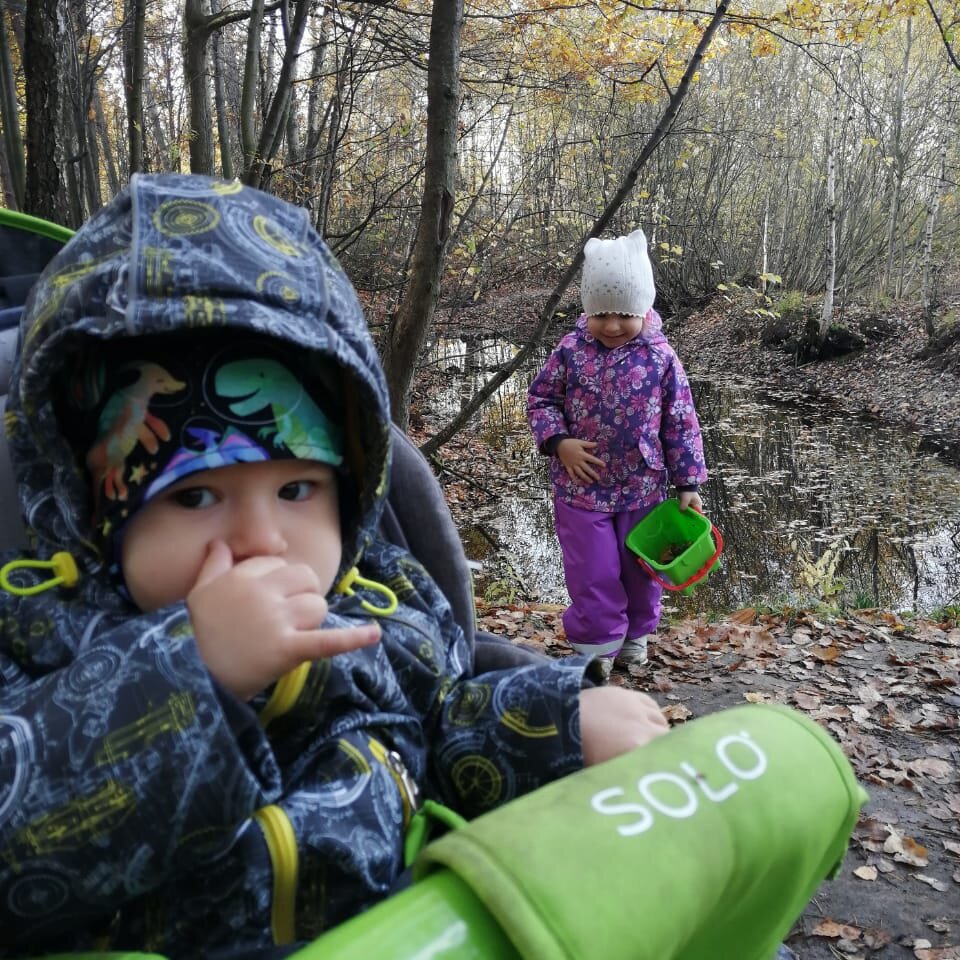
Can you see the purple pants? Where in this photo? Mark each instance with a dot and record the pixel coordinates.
(612, 597)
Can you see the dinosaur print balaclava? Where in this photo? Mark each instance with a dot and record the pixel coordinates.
(153, 410)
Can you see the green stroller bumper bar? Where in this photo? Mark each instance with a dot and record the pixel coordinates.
(705, 844)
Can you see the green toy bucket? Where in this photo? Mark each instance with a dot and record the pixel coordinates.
(678, 548)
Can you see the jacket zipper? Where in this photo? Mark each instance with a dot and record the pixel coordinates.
(282, 846)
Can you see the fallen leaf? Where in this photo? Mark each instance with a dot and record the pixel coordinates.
(905, 850)
(848, 948)
(938, 770)
(876, 939)
(827, 655)
(866, 873)
(932, 882)
(832, 929)
(938, 953)
(806, 701)
(677, 712)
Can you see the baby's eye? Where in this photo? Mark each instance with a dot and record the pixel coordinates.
(296, 490)
(193, 498)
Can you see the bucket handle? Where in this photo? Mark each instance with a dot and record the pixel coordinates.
(694, 578)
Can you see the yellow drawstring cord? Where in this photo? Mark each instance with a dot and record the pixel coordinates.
(61, 563)
(285, 693)
(345, 586)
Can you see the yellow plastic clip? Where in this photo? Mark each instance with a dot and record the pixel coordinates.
(352, 577)
(64, 569)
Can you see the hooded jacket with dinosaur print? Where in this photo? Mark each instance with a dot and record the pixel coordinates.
(142, 806)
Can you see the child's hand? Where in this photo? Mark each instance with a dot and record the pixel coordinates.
(614, 720)
(575, 456)
(257, 619)
(690, 498)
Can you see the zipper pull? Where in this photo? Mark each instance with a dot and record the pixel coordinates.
(62, 565)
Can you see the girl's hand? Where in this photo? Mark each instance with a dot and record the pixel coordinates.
(690, 498)
(258, 619)
(579, 462)
(614, 720)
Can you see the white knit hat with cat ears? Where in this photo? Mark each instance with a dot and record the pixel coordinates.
(617, 276)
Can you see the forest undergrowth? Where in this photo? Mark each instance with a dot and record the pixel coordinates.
(885, 684)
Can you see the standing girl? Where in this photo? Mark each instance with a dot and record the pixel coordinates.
(613, 410)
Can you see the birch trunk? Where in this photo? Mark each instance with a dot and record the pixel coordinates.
(830, 253)
(927, 291)
(897, 170)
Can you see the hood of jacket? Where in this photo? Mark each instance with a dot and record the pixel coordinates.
(172, 253)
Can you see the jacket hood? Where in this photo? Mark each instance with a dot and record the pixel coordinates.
(174, 253)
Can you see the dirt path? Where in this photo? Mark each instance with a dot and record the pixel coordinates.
(887, 690)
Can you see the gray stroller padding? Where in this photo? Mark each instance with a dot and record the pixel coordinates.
(417, 517)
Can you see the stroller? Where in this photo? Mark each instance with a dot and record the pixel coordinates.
(703, 845)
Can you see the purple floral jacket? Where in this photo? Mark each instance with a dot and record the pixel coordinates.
(635, 402)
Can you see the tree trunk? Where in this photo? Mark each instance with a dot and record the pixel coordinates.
(897, 170)
(10, 117)
(271, 133)
(830, 255)
(44, 194)
(314, 126)
(196, 32)
(248, 92)
(91, 156)
(220, 100)
(468, 409)
(133, 60)
(408, 328)
(927, 291)
(335, 112)
(113, 178)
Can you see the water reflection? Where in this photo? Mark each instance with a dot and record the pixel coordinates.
(811, 504)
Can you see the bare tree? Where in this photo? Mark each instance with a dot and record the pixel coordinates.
(45, 194)
(198, 25)
(940, 189)
(408, 328)
(830, 253)
(133, 73)
(9, 116)
(259, 154)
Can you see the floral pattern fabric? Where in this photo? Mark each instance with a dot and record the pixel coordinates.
(633, 401)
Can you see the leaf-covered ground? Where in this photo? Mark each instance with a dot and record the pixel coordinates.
(886, 686)
(887, 689)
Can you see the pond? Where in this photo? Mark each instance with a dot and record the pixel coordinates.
(812, 505)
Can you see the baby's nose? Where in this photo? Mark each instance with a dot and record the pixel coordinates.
(255, 533)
